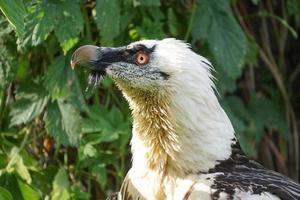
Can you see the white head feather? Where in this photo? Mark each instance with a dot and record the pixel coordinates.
(179, 119)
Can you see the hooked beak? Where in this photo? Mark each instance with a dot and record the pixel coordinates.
(96, 58)
(83, 55)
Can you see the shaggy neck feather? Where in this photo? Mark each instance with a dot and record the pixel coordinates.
(173, 135)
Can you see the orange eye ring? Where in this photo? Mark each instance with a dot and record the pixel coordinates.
(141, 58)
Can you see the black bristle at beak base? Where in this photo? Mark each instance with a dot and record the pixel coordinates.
(95, 78)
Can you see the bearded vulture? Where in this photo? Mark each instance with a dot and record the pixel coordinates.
(183, 143)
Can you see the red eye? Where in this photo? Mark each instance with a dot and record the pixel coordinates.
(141, 58)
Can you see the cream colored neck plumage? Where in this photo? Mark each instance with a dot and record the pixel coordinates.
(177, 136)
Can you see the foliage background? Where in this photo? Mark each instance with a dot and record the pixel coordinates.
(60, 140)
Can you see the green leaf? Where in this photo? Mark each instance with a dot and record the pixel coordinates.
(107, 83)
(109, 136)
(247, 141)
(8, 52)
(108, 19)
(16, 164)
(24, 68)
(62, 83)
(215, 23)
(89, 150)
(267, 113)
(78, 192)
(107, 133)
(30, 102)
(69, 23)
(127, 15)
(252, 51)
(3, 161)
(172, 22)
(156, 14)
(61, 186)
(46, 22)
(293, 8)
(9, 182)
(71, 121)
(237, 106)
(28, 192)
(60, 78)
(110, 124)
(63, 122)
(99, 171)
(7, 69)
(5, 194)
(95, 125)
(255, 1)
(15, 11)
(146, 2)
(225, 83)
(115, 116)
(42, 178)
(240, 118)
(64, 17)
(151, 29)
(31, 20)
(53, 124)
(29, 160)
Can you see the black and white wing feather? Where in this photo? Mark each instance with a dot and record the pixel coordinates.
(240, 173)
(234, 176)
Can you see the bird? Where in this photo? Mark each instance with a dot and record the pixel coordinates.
(183, 144)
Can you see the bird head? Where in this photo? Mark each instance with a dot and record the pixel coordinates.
(174, 107)
(147, 65)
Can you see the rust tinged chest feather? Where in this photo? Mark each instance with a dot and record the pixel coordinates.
(151, 123)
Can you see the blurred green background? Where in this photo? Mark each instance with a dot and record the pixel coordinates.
(61, 140)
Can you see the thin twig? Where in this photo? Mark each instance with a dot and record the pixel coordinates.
(268, 59)
(291, 114)
(278, 155)
(295, 73)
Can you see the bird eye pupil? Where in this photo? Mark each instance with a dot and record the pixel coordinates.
(141, 58)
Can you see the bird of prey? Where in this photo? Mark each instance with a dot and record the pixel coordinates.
(183, 143)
